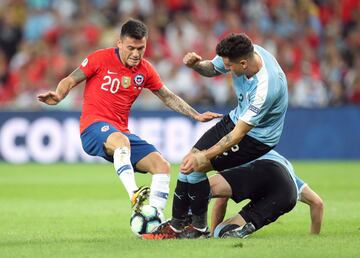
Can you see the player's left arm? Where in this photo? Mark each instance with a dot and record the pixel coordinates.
(177, 104)
(316, 204)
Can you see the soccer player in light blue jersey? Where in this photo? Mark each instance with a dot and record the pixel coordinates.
(272, 187)
(249, 131)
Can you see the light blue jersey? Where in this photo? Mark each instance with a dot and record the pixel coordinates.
(274, 156)
(262, 99)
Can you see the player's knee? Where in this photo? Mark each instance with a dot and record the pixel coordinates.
(215, 190)
(118, 140)
(164, 167)
(161, 167)
(215, 186)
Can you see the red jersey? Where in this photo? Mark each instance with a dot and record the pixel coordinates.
(111, 88)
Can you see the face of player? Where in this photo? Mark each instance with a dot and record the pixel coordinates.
(237, 67)
(131, 50)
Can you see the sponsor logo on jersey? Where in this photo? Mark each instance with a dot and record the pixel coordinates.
(254, 109)
(139, 79)
(105, 128)
(109, 72)
(125, 81)
(85, 62)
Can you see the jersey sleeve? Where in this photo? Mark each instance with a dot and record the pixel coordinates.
(153, 81)
(259, 104)
(90, 64)
(300, 185)
(219, 64)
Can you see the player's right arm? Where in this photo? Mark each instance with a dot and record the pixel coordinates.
(316, 204)
(63, 88)
(205, 68)
(177, 104)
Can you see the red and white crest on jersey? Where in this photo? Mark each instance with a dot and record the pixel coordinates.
(139, 79)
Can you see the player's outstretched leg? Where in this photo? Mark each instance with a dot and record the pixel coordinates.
(125, 171)
(139, 197)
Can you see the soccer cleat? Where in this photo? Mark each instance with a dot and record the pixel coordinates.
(139, 197)
(163, 231)
(240, 232)
(191, 233)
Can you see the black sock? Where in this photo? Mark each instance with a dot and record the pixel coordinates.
(181, 204)
(199, 194)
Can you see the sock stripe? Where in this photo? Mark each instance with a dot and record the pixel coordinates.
(160, 194)
(123, 168)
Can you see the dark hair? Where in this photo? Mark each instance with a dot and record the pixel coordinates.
(134, 29)
(235, 46)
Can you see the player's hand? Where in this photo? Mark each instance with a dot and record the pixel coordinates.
(207, 116)
(50, 98)
(191, 59)
(195, 162)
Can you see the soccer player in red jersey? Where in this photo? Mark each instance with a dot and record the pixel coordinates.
(114, 79)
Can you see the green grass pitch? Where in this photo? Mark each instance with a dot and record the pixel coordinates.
(82, 210)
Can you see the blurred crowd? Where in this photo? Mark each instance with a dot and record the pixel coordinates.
(317, 43)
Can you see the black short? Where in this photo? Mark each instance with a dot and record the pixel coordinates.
(268, 185)
(245, 151)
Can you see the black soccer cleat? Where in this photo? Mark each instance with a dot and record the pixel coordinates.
(192, 233)
(240, 232)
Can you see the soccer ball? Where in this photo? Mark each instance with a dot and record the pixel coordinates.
(146, 220)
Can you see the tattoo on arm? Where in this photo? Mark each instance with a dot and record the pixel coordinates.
(175, 102)
(69, 82)
(223, 145)
(78, 76)
(234, 137)
(226, 142)
(206, 68)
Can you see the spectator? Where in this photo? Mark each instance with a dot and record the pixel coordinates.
(308, 90)
(315, 42)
